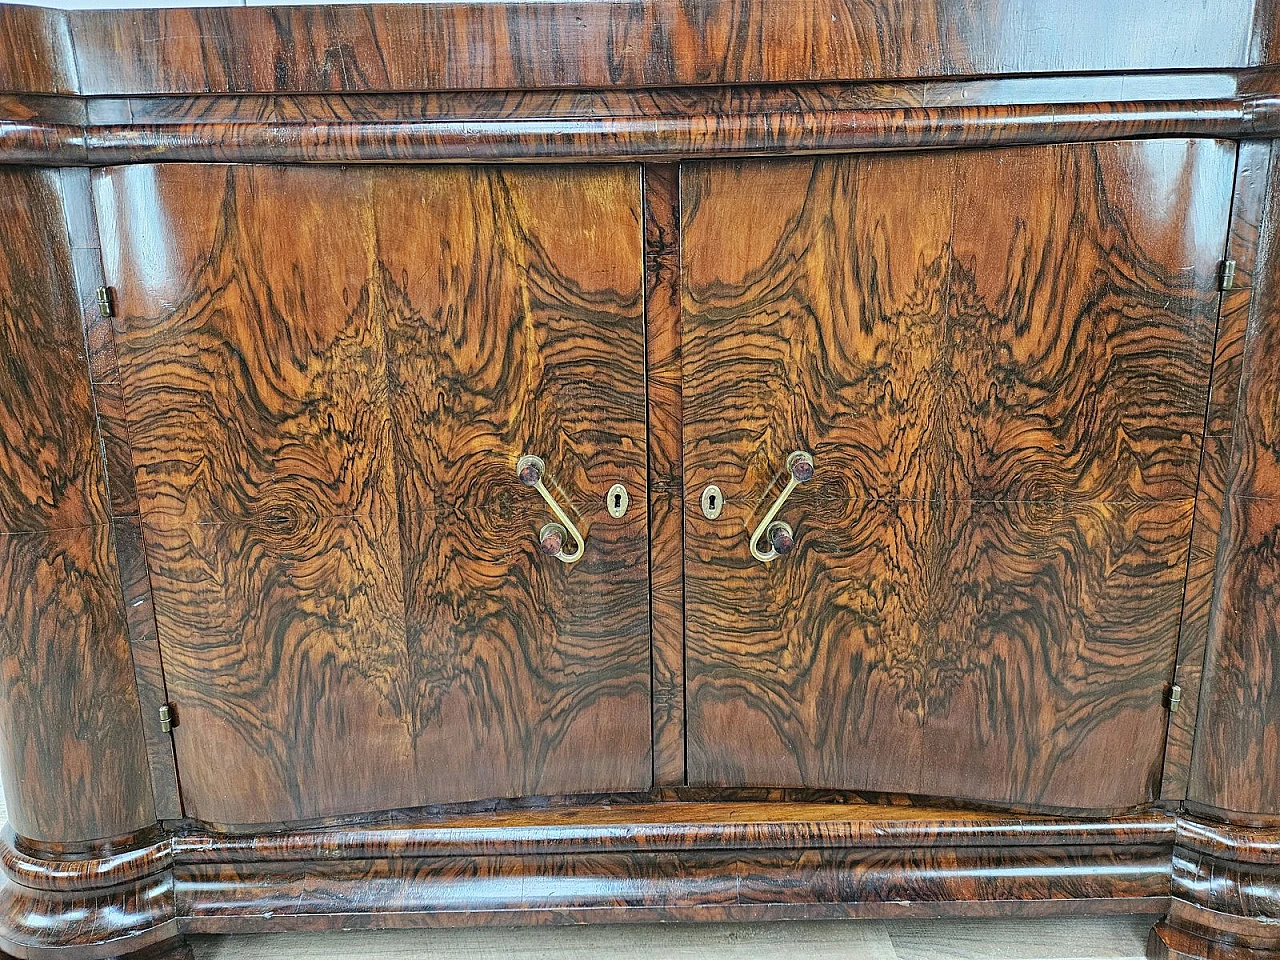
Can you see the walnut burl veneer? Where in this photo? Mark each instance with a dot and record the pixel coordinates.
(557, 462)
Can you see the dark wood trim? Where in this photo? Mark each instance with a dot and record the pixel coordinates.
(1225, 894)
(1249, 193)
(704, 886)
(129, 918)
(666, 470)
(768, 860)
(117, 457)
(673, 826)
(1233, 772)
(146, 854)
(660, 124)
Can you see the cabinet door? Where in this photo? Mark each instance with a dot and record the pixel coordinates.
(329, 377)
(999, 361)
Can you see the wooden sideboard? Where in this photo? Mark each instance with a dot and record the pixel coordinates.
(563, 462)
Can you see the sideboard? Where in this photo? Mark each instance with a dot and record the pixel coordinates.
(559, 462)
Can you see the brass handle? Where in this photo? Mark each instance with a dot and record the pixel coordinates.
(552, 536)
(779, 535)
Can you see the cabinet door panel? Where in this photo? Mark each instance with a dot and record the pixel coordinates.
(329, 376)
(999, 361)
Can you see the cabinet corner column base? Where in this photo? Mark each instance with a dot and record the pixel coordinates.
(1168, 942)
(110, 903)
(1226, 892)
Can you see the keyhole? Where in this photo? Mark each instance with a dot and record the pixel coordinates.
(616, 500)
(712, 502)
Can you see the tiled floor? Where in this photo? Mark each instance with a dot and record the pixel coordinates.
(1119, 938)
(828, 940)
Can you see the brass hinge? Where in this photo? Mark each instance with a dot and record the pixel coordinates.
(106, 303)
(1175, 698)
(166, 718)
(1226, 274)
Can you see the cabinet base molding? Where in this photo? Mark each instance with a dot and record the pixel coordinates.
(1226, 893)
(603, 863)
(1168, 942)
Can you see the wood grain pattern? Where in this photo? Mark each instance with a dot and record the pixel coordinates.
(999, 361)
(35, 51)
(597, 862)
(648, 125)
(329, 377)
(636, 124)
(664, 380)
(517, 45)
(672, 825)
(113, 440)
(51, 474)
(74, 763)
(648, 887)
(672, 861)
(1170, 943)
(1248, 195)
(1238, 732)
(525, 334)
(614, 44)
(129, 922)
(1226, 898)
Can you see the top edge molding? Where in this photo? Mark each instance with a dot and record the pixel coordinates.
(611, 44)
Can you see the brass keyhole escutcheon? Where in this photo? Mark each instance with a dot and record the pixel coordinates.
(616, 500)
(712, 502)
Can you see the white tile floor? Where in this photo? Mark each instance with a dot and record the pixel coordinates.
(1072, 939)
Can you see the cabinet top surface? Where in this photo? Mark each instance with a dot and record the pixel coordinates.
(610, 44)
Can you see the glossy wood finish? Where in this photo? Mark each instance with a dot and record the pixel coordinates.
(1226, 900)
(73, 757)
(1252, 170)
(664, 382)
(999, 361)
(309, 410)
(352, 606)
(647, 887)
(35, 51)
(618, 44)
(132, 921)
(126, 534)
(603, 862)
(648, 124)
(675, 823)
(1236, 769)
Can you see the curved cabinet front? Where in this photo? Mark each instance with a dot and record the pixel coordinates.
(329, 376)
(999, 361)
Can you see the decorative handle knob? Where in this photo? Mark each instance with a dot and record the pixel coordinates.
(781, 538)
(553, 536)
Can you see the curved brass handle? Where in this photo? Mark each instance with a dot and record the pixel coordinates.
(781, 538)
(552, 535)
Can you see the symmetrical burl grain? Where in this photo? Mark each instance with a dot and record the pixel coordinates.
(999, 361)
(329, 377)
